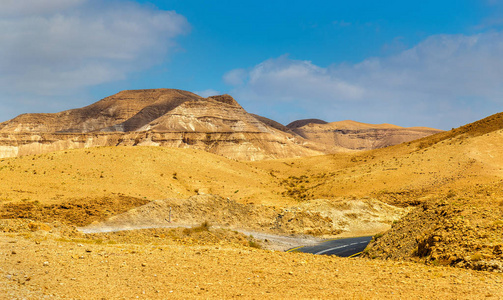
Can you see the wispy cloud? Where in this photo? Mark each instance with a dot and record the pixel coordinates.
(13, 8)
(235, 77)
(443, 81)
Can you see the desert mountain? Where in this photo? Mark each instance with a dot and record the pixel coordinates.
(181, 119)
(160, 117)
(355, 135)
(130, 107)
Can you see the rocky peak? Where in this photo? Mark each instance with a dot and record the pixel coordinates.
(227, 99)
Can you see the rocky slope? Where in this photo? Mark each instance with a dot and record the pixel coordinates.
(461, 223)
(357, 136)
(457, 233)
(318, 217)
(160, 117)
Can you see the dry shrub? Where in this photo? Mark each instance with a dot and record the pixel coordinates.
(477, 256)
(254, 244)
(205, 226)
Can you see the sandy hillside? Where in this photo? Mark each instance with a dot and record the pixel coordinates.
(142, 172)
(80, 187)
(454, 179)
(457, 159)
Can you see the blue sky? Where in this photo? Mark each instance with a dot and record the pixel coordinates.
(410, 63)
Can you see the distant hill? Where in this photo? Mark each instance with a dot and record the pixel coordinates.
(357, 136)
(303, 122)
(273, 123)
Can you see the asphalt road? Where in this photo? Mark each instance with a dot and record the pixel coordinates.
(340, 247)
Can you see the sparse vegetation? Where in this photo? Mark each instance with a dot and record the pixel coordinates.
(205, 226)
(254, 244)
(297, 187)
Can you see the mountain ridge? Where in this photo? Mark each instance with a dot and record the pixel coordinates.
(177, 118)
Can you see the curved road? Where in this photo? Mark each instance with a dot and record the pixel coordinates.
(340, 247)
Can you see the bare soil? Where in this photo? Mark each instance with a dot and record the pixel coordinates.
(57, 262)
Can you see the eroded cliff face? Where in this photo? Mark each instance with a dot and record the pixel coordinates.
(235, 145)
(359, 136)
(164, 117)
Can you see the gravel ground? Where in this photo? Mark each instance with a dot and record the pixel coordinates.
(34, 266)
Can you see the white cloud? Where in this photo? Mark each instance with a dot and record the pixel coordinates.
(57, 46)
(12, 8)
(288, 79)
(433, 83)
(235, 77)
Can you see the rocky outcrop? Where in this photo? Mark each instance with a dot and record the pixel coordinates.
(357, 136)
(442, 233)
(235, 145)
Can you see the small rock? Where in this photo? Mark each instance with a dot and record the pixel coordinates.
(143, 264)
(46, 263)
(13, 252)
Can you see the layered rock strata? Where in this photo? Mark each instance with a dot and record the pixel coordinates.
(161, 117)
(357, 136)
